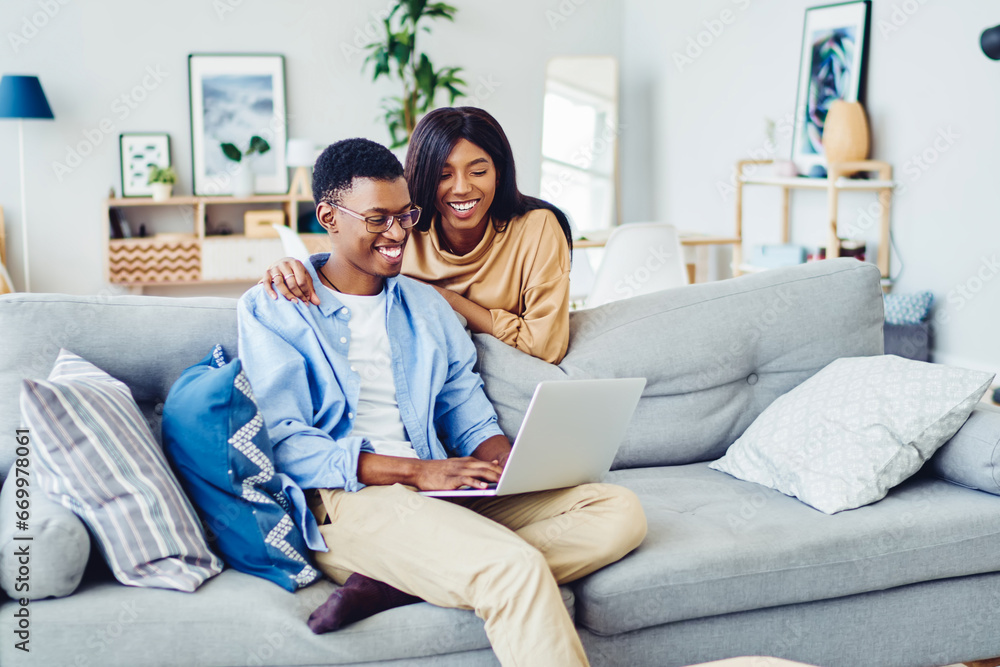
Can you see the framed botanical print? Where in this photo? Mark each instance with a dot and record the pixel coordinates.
(235, 97)
(831, 67)
(137, 152)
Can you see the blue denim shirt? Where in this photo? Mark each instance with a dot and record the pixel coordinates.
(296, 359)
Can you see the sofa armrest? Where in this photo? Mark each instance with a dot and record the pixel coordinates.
(972, 457)
(57, 552)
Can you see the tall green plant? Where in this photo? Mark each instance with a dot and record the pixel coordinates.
(396, 56)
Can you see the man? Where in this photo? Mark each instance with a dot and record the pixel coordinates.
(371, 397)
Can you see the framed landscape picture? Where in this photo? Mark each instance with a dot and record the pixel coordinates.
(831, 67)
(235, 97)
(137, 152)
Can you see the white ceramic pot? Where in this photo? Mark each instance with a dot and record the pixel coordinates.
(244, 180)
(162, 191)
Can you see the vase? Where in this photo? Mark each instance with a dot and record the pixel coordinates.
(845, 132)
(161, 191)
(244, 180)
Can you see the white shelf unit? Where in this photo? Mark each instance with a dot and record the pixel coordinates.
(835, 183)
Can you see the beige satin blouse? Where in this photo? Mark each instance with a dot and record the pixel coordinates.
(520, 275)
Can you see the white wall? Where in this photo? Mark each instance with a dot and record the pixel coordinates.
(89, 54)
(682, 127)
(687, 124)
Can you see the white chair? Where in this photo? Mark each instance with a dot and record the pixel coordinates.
(581, 277)
(292, 243)
(639, 258)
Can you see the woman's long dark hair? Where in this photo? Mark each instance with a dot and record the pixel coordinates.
(432, 142)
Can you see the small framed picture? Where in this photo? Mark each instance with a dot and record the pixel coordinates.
(238, 100)
(138, 151)
(831, 67)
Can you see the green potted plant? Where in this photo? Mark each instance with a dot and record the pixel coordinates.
(162, 180)
(396, 56)
(244, 176)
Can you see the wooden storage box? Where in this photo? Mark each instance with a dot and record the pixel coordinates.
(257, 224)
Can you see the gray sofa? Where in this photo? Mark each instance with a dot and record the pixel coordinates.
(728, 568)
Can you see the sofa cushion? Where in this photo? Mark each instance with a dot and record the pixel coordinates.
(718, 545)
(216, 439)
(58, 548)
(859, 427)
(96, 456)
(234, 619)
(972, 457)
(714, 354)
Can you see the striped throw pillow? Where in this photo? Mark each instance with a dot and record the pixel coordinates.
(95, 454)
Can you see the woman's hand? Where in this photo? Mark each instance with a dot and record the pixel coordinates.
(289, 277)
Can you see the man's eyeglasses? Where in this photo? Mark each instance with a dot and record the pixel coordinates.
(378, 224)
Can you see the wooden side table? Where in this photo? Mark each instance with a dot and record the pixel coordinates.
(598, 238)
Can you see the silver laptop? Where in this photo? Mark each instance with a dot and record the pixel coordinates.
(570, 435)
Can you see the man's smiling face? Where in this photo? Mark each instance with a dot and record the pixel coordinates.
(361, 260)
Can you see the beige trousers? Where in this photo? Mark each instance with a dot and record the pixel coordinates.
(502, 557)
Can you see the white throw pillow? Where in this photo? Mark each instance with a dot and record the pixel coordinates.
(859, 427)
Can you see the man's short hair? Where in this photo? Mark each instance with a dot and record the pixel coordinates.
(342, 162)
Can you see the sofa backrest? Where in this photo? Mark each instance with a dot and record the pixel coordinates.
(143, 341)
(714, 354)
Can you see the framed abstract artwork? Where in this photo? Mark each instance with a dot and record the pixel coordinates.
(138, 151)
(235, 97)
(831, 67)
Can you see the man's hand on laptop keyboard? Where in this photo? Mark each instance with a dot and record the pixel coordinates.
(455, 473)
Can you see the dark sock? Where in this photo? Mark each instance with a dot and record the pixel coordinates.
(359, 597)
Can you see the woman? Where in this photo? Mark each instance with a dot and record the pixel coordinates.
(500, 258)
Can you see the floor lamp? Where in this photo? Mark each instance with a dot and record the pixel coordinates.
(22, 97)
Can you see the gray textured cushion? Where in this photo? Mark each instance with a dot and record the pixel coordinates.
(859, 427)
(58, 549)
(714, 354)
(972, 457)
(96, 456)
(718, 545)
(144, 341)
(234, 619)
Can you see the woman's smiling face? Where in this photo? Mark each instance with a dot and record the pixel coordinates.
(467, 186)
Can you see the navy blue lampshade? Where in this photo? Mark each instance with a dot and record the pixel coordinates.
(22, 97)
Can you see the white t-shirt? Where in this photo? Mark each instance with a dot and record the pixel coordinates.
(378, 412)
